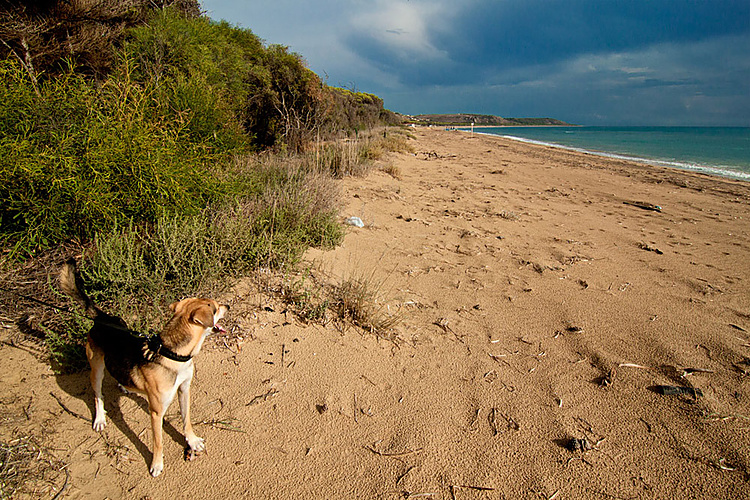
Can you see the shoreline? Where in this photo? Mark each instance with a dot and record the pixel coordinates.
(607, 161)
(724, 171)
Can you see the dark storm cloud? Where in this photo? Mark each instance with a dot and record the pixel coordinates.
(488, 37)
(639, 62)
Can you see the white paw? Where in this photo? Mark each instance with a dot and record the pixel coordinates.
(99, 424)
(196, 443)
(157, 468)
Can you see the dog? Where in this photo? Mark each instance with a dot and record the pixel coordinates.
(158, 367)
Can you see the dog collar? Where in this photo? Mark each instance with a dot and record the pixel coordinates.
(156, 347)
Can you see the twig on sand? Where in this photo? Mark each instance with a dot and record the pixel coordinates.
(453, 487)
(222, 425)
(402, 476)
(392, 455)
(68, 410)
(690, 371)
(262, 397)
(65, 485)
(500, 360)
(443, 324)
(492, 420)
(633, 365)
(649, 248)
(675, 390)
(474, 419)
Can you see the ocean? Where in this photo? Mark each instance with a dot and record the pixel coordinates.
(723, 151)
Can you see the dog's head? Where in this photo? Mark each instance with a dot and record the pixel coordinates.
(199, 317)
(203, 313)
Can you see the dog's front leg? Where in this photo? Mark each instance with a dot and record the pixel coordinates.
(196, 443)
(157, 409)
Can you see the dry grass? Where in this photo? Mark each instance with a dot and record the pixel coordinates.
(356, 156)
(27, 469)
(357, 301)
(393, 171)
(509, 215)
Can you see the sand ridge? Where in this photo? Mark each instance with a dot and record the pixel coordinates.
(535, 307)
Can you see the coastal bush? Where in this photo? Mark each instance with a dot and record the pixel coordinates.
(138, 270)
(279, 207)
(80, 157)
(198, 69)
(42, 35)
(135, 145)
(268, 91)
(183, 95)
(354, 111)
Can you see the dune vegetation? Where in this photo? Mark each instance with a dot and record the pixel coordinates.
(170, 150)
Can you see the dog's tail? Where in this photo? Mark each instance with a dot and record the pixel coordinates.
(71, 283)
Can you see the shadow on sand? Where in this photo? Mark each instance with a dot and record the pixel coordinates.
(78, 386)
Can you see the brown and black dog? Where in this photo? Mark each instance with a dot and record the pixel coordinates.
(158, 367)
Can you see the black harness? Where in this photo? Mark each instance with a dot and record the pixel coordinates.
(153, 347)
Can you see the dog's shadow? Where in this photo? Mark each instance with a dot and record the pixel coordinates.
(78, 386)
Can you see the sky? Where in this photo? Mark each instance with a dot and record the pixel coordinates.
(589, 62)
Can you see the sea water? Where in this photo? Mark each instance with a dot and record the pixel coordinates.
(721, 151)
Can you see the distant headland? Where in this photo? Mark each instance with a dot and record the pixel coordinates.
(466, 119)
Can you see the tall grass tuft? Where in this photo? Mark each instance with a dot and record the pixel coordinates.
(357, 299)
(354, 156)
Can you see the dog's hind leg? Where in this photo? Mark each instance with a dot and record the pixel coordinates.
(196, 443)
(96, 361)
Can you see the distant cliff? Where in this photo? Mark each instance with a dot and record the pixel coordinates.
(460, 119)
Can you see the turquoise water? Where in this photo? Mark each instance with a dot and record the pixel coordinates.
(721, 151)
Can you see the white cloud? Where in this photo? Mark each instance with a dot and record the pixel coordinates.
(402, 28)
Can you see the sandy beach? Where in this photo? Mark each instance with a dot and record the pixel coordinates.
(544, 316)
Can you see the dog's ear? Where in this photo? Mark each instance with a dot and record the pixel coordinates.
(203, 316)
(173, 306)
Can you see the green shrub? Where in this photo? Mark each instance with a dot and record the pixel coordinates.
(66, 346)
(135, 147)
(137, 270)
(82, 158)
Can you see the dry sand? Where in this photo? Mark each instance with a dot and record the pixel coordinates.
(535, 308)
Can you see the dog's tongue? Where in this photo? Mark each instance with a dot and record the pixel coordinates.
(219, 329)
